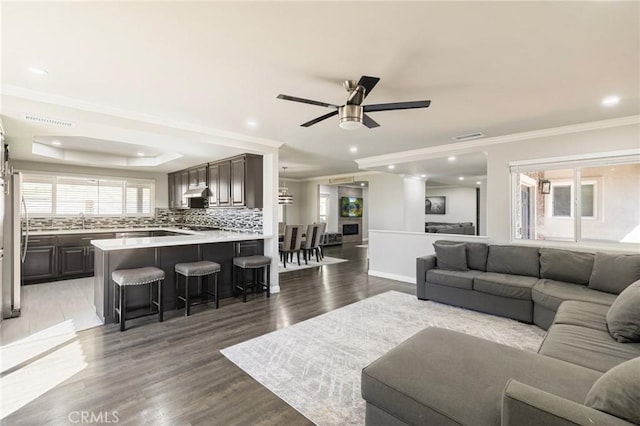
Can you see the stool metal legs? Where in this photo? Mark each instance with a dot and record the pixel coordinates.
(186, 299)
(255, 281)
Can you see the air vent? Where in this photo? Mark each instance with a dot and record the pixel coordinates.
(468, 137)
(336, 181)
(49, 121)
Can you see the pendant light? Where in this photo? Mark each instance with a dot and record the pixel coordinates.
(283, 195)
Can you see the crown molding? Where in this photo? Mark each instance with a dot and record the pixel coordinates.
(354, 174)
(479, 144)
(35, 96)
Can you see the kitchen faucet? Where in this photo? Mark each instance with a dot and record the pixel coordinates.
(82, 217)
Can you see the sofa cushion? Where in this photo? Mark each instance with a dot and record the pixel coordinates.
(614, 272)
(584, 314)
(623, 318)
(511, 286)
(565, 265)
(594, 349)
(514, 260)
(441, 377)
(476, 253)
(617, 392)
(452, 257)
(458, 279)
(551, 294)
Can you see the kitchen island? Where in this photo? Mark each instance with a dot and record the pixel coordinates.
(164, 253)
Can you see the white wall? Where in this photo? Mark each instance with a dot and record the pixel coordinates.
(162, 185)
(460, 204)
(386, 201)
(413, 204)
(292, 211)
(334, 206)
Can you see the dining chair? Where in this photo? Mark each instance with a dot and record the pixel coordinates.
(292, 243)
(312, 241)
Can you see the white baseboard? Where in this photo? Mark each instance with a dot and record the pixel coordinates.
(275, 289)
(396, 277)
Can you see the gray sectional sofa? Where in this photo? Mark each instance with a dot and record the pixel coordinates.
(465, 228)
(521, 282)
(586, 371)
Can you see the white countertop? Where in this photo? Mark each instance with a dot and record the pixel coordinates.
(109, 230)
(201, 237)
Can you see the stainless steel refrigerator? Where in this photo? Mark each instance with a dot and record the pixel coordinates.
(14, 242)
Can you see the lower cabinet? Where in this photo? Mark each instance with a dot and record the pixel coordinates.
(75, 260)
(49, 258)
(40, 264)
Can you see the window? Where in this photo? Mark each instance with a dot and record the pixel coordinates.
(562, 195)
(595, 199)
(71, 195)
(323, 208)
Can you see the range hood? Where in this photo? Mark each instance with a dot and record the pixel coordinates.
(201, 192)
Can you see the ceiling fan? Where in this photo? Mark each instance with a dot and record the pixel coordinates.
(353, 113)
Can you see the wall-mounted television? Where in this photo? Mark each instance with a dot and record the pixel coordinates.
(351, 207)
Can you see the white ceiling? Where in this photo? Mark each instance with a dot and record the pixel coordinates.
(148, 74)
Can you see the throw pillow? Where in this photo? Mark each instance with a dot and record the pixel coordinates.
(452, 257)
(564, 265)
(476, 253)
(623, 317)
(617, 391)
(613, 273)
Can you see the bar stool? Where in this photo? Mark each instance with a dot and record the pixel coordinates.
(200, 269)
(123, 278)
(256, 263)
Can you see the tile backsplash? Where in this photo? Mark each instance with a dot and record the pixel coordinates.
(226, 219)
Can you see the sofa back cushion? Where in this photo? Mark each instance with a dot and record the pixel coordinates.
(623, 317)
(476, 253)
(614, 272)
(564, 265)
(617, 391)
(514, 260)
(452, 257)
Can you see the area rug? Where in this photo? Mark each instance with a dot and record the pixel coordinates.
(293, 266)
(315, 365)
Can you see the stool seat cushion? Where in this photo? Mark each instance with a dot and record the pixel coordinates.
(137, 276)
(197, 269)
(249, 262)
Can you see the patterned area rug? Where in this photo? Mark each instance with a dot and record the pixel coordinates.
(315, 365)
(293, 266)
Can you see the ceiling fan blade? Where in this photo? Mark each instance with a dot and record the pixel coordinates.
(306, 101)
(369, 122)
(396, 105)
(368, 83)
(319, 119)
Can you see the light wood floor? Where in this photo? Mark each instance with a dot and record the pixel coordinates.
(172, 373)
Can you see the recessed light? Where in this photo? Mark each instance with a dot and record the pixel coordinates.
(56, 143)
(361, 183)
(141, 154)
(252, 123)
(478, 183)
(611, 100)
(391, 166)
(353, 149)
(452, 158)
(461, 178)
(39, 71)
(423, 176)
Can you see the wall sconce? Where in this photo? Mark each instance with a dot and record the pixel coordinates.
(545, 187)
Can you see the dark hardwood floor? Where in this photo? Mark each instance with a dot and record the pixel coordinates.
(172, 373)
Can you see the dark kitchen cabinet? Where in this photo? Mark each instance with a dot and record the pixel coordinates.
(40, 259)
(224, 183)
(234, 182)
(214, 178)
(64, 256)
(72, 260)
(246, 181)
(197, 177)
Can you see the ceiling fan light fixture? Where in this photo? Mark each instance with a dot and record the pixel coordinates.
(350, 117)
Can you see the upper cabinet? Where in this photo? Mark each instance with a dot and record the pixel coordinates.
(198, 176)
(233, 182)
